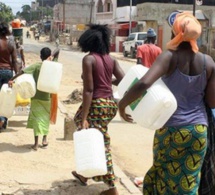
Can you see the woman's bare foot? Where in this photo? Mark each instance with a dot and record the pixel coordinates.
(80, 178)
(44, 142)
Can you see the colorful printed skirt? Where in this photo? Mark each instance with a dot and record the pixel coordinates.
(178, 158)
(102, 111)
(39, 117)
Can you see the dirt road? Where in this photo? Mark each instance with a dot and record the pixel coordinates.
(48, 171)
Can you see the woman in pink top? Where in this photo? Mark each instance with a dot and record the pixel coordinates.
(98, 107)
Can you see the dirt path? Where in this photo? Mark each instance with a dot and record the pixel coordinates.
(46, 171)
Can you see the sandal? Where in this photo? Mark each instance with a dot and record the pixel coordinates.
(80, 178)
(44, 146)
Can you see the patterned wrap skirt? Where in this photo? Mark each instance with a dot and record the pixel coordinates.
(102, 111)
(178, 158)
(39, 117)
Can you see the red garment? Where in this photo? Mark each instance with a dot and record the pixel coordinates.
(102, 76)
(53, 111)
(148, 53)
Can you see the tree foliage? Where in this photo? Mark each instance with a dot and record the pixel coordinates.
(6, 13)
(35, 15)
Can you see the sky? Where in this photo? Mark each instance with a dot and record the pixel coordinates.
(16, 5)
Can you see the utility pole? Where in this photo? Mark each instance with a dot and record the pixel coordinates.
(42, 11)
(194, 7)
(64, 14)
(130, 17)
(91, 10)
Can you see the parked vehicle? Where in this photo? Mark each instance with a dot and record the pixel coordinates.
(131, 43)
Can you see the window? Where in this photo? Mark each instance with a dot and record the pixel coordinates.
(108, 6)
(142, 36)
(100, 6)
(131, 37)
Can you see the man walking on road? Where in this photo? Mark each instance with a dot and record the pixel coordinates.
(147, 53)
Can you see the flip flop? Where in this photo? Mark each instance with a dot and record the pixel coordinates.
(44, 146)
(78, 178)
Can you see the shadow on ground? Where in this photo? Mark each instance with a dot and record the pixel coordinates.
(20, 123)
(67, 187)
(13, 148)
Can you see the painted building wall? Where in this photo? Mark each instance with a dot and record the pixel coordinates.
(105, 16)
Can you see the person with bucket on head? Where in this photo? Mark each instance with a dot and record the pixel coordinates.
(148, 52)
(8, 61)
(180, 145)
(98, 107)
(39, 116)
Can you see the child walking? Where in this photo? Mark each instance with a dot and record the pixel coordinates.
(39, 116)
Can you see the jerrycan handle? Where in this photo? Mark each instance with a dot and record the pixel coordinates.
(9, 90)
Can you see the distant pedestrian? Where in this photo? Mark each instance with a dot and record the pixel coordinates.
(148, 52)
(8, 61)
(28, 35)
(20, 56)
(57, 41)
(39, 116)
(37, 35)
(98, 107)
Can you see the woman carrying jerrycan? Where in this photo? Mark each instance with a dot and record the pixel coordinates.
(180, 145)
(98, 107)
(39, 116)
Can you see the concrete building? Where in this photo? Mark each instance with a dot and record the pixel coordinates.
(77, 13)
(71, 16)
(155, 15)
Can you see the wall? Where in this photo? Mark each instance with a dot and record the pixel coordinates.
(76, 12)
(105, 17)
(155, 14)
(123, 14)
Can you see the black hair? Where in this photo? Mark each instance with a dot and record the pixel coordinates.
(151, 39)
(4, 29)
(96, 39)
(45, 53)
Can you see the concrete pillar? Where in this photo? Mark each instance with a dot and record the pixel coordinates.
(69, 128)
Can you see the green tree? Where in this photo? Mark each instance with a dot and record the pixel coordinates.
(6, 13)
(26, 13)
(34, 15)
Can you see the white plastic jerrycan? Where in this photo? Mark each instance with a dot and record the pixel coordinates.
(90, 158)
(25, 86)
(50, 76)
(155, 106)
(7, 101)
